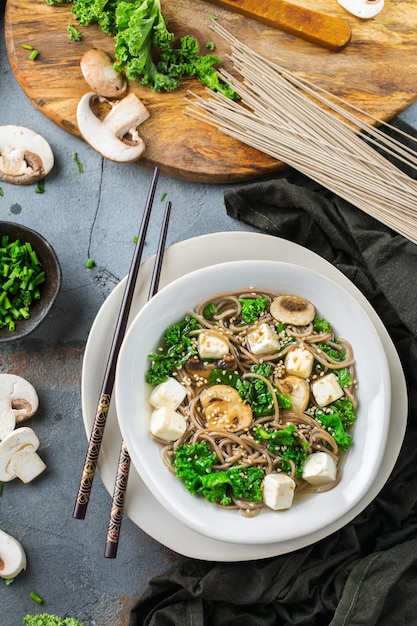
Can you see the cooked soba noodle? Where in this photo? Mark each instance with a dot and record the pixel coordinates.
(236, 444)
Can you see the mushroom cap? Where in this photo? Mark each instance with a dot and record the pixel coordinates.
(97, 69)
(108, 135)
(12, 556)
(291, 309)
(18, 402)
(25, 156)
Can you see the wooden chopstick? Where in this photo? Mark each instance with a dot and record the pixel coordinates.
(123, 465)
(97, 431)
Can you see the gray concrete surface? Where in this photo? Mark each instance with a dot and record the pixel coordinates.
(94, 214)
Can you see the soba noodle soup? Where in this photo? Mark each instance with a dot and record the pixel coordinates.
(253, 398)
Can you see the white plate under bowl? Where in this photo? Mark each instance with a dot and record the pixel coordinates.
(142, 508)
(310, 513)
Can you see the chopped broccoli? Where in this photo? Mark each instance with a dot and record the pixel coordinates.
(177, 349)
(193, 463)
(253, 308)
(45, 619)
(252, 390)
(287, 444)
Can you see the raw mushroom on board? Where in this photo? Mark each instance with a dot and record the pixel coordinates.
(98, 71)
(25, 156)
(108, 135)
(18, 402)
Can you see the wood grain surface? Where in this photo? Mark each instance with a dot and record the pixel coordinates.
(377, 72)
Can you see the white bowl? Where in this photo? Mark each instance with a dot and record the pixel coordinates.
(309, 513)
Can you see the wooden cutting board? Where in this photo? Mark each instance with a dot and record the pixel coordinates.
(376, 72)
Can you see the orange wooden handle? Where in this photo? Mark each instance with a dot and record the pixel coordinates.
(319, 28)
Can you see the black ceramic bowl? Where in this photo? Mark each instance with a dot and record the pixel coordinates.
(39, 309)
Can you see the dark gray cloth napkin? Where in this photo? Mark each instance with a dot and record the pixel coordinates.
(365, 574)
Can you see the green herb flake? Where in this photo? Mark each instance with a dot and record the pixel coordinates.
(40, 188)
(34, 55)
(73, 33)
(36, 598)
(78, 163)
(90, 263)
(1, 192)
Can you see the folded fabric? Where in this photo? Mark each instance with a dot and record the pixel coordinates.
(365, 574)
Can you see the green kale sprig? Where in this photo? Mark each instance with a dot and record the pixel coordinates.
(287, 444)
(177, 348)
(253, 390)
(193, 464)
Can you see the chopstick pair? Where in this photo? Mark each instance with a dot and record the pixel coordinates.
(97, 431)
(123, 464)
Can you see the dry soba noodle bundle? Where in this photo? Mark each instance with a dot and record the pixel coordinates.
(253, 398)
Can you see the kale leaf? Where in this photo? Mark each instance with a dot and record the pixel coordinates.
(193, 464)
(287, 444)
(252, 390)
(253, 308)
(177, 348)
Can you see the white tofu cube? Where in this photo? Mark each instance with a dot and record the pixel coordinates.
(299, 362)
(263, 340)
(326, 389)
(170, 393)
(278, 491)
(211, 346)
(319, 469)
(167, 424)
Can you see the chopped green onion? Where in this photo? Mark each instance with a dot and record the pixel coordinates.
(90, 263)
(33, 55)
(41, 186)
(135, 238)
(78, 162)
(1, 192)
(21, 273)
(1, 488)
(26, 46)
(9, 581)
(35, 597)
(163, 197)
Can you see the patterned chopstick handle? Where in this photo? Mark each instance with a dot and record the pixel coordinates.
(118, 500)
(91, 457)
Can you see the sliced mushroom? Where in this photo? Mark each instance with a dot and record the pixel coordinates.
(365, 9)
(224, 409)
(292, 310)
(109, 136)
(12, 556)
(18, 402)
(297, 390)
(97, 69)
(202, 369)
(25, 156)
(18, 456)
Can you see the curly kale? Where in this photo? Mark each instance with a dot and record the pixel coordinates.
(193, 464)
(253, 308)
(46, 619)
(287, 444)
(144, 46)
(177, 348)
(254, 391)
(336, 418)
